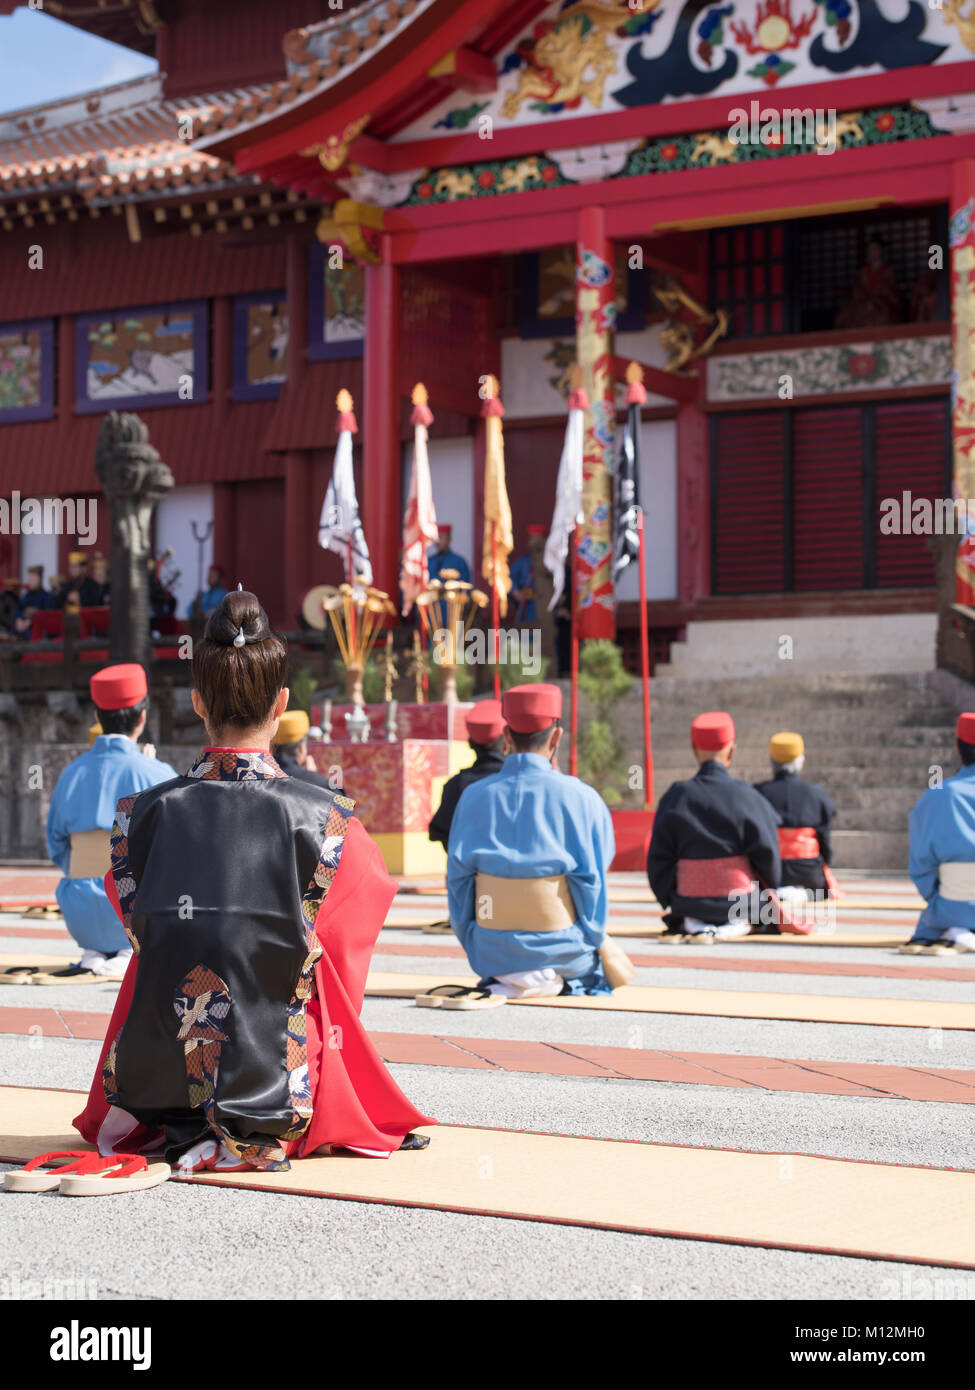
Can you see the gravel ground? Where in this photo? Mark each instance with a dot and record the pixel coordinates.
(208, 1243)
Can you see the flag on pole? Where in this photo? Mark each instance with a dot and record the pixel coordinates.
(339, 528)
(498, 538)
(626, 545)
(420, 518)
(568, 488)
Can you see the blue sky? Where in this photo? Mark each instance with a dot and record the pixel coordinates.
(42, 59)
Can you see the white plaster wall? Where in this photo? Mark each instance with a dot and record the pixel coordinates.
(658, 496)
(174, 520)
(874, 644)
(39, 550)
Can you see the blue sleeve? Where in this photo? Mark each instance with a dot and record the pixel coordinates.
(521, 572)
(589, 885)
(58, 838)
(465, 570)
(924, 863)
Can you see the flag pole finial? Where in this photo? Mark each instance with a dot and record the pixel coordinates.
(346, 417)
(578, 399)
(491, 393)
(636, 392)
(422, 414)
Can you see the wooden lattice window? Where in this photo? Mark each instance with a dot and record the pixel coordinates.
(748, 278)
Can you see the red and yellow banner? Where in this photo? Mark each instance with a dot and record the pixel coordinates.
(962, 242)
(595, 322)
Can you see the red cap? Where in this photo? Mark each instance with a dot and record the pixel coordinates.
(444, 530)
(711, 732)
(536, 529)
(965, 728)
(530, 708)
(485, 722)
(119, 687)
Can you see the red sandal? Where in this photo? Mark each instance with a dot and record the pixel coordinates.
(31, 1179)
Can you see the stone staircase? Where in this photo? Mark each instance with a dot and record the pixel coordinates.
(871, 741)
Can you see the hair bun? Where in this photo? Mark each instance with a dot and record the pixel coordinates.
(237, 620)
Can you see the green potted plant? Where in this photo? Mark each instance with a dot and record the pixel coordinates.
(604, 682)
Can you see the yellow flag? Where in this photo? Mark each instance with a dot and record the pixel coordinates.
(498, 538)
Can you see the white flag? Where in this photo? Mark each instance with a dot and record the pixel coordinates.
(419, 523)
(339, 528)
(568, 499)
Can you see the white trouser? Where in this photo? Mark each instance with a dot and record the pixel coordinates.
(728, 930)
(527, 984)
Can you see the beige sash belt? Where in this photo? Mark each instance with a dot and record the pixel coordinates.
(91, 854)
(524, 904)
(956, 882)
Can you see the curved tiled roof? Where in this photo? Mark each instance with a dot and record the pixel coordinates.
(122, 141)
(318, 55)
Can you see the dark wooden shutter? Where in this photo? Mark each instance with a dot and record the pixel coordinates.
(911, 452)
(827, 498)
(747, 502)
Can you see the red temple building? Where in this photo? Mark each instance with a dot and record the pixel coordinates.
(767, 203)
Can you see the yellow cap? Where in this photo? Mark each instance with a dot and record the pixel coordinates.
(77, 557)
(292, 727)
(785, 748)
(94, 732)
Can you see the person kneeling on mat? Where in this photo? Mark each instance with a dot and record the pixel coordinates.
(253, 901)
(485, 738)
(714, 840)
(806, 817)
(80, 820)
(942, 862)
(527, 861)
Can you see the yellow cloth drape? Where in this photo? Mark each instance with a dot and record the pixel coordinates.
(497, 514)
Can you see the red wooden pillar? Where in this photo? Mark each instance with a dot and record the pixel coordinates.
(693, 500)
(379, 503)
(961, 238)
(595, 308)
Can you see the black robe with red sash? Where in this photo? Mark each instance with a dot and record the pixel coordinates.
(801, 804)
(710, 818)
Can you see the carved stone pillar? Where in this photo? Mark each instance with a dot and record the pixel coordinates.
(133, 478)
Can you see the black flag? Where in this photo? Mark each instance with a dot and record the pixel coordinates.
(626, 545)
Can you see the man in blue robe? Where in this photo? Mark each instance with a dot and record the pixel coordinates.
(213, 595)
(523, 581)
(942, 862)
(527, 861)
(81, 817)
(443, 558)
(35, 599)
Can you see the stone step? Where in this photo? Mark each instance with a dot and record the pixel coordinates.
(870, 849)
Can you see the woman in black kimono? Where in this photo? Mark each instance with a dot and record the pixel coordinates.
(253, 901)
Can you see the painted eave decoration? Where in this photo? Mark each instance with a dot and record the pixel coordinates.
(594, 57)
(384, 128)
